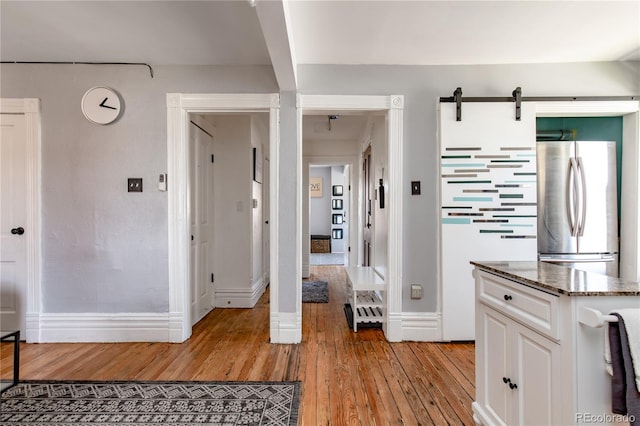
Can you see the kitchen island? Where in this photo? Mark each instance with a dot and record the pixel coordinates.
(540, 343)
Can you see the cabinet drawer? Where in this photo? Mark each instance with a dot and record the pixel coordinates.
(533, 308)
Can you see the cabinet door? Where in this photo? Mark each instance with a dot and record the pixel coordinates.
(494, 395)
(536, 359)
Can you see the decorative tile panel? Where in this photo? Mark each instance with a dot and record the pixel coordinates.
(502, 201)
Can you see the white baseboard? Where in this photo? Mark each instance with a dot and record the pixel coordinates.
(286, 328)
(421, 326)
(240, 297)
(98, 327)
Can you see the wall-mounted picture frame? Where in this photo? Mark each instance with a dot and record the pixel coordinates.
(337, 219)
(337, 190)
(315, 187)
(336, 204)
(336, 234)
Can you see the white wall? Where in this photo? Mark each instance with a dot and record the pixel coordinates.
(103, 249)
(233, 209)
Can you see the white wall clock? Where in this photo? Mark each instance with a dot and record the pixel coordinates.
(101, 105)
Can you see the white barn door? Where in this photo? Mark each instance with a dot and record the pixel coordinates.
(487, 199)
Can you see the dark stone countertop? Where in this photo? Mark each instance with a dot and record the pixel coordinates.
(560, 279)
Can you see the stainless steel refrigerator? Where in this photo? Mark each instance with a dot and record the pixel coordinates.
(577, 205)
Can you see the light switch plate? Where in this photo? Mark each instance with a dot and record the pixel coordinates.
(416, 291)
(134, 184)
(415, 187)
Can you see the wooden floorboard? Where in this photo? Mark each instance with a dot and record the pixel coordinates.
(347, 378)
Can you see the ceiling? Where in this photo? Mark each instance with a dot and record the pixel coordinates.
(286, 34)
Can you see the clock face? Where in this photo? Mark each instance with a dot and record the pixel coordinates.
(101, 105)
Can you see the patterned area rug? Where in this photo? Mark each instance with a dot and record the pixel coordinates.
(77, 403)
(315, 292)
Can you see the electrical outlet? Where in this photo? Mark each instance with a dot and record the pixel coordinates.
(416, 291)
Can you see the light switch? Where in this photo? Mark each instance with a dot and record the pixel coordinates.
(134, 185)
(415, 187)
(416, 291)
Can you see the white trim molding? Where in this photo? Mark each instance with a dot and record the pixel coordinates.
(103, 327)
(422, 326)
(393, 106)
(179, 106)
(239, 297)
(30, 107)
(286, 327)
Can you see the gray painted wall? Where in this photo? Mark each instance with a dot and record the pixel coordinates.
(422, 86)
(103, 249)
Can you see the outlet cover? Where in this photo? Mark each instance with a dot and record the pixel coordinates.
(134, 184)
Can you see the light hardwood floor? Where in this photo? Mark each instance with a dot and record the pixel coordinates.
(347, 378)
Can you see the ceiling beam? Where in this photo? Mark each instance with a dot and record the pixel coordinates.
(273, 17)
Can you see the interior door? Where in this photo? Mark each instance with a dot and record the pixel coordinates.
(13, 181)
(266, 235)
(368, 210)
(487, 199)
(202, 231)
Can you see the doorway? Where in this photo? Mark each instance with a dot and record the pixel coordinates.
(389, 107)
(180, 107)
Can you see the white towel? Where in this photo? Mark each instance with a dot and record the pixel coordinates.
(607, 353)
(631, 319)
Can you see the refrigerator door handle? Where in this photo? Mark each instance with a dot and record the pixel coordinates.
(583, 198)
(572, 194)
(551, 258)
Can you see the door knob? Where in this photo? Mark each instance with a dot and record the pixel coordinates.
(18, 231)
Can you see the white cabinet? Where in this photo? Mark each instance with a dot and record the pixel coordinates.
(536, 364)
(518, 368)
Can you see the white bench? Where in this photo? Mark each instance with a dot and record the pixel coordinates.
(364, 289)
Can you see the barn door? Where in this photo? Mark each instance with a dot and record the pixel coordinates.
(487, 199)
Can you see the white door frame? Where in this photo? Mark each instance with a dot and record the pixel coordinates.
(179, 106)
(31, 109)
(393, 106)
(629, 256)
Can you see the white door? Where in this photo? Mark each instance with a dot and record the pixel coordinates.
(266, 236)
(367, 245)
(13, 186)
(487, 199)
(201, 209)
(538, 378)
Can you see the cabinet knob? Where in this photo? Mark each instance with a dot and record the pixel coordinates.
(508, 297)
(513, 386)
(504, 379)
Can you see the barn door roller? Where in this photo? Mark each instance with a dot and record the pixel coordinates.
(517, 98)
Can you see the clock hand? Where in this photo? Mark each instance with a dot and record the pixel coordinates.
(106, 106)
